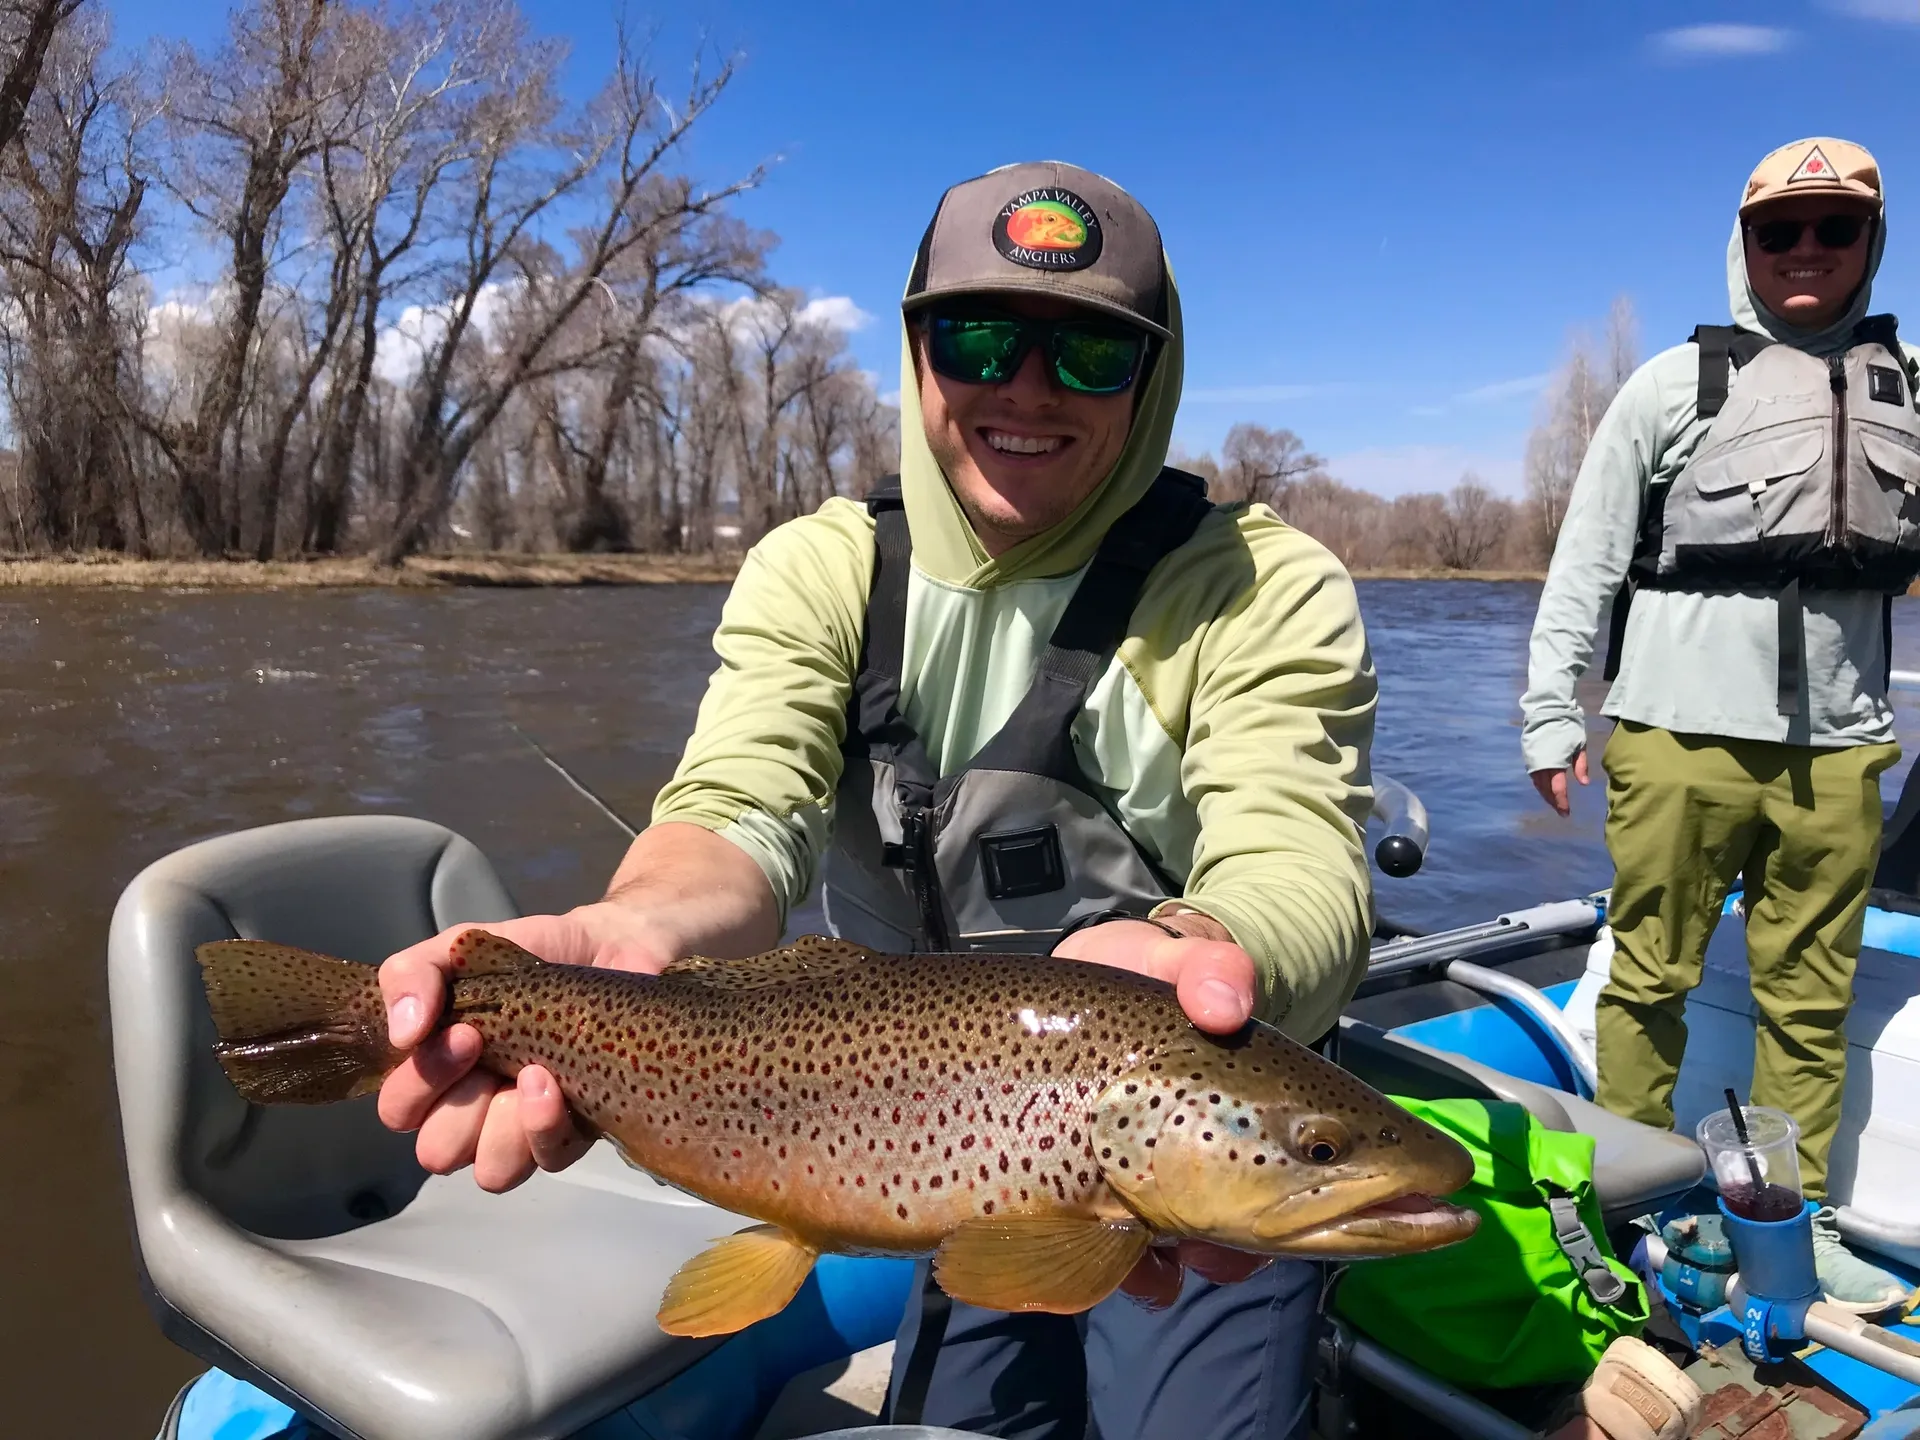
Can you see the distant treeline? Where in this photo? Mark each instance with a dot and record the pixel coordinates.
(1469, 527)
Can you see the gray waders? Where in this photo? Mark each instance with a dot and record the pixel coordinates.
(1016, 845)
(1002, 855)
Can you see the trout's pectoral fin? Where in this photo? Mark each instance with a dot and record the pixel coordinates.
(739, 1280)
(1056, 1263)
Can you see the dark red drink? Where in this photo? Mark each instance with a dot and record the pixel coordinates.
(1762, 1202)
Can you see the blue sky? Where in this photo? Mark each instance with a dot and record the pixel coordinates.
(1386, 219)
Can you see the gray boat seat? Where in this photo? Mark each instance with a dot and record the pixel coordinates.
(1637, 1169)
(303, 1249)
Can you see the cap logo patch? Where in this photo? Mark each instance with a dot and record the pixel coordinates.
(1048, 229)
(1815, 167)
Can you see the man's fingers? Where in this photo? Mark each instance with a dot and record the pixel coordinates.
(1215, 984)
(450, 1136)
(413, 985)
(409, 1093)
(503, 1157)
(1580, 766)
(555, 1141)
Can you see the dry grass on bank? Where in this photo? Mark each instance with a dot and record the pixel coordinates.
(117, 572)
(108, 571)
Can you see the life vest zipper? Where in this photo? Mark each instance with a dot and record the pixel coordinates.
(916, 840)
(1840, 533)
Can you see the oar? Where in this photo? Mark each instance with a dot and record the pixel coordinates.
(1746, 1143)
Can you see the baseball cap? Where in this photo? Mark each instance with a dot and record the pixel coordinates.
(1822, 165)
(1045, 228)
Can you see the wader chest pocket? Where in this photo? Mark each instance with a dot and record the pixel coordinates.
(1022, 862)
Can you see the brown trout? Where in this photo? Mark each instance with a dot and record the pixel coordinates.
(1032, 1123)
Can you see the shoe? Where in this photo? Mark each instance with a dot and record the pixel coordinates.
(1636, 1393)
(1850, 1283)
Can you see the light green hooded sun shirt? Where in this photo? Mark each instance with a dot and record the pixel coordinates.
(1692, 662)
(1229, 735)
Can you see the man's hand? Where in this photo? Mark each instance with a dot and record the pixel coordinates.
(471, 1117)
(1214, 980)
(1212, 975)
(1552, 784)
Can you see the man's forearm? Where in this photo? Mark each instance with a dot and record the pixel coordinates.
(696, 893)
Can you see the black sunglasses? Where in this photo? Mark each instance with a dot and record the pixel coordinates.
(979, 347)
(1834, 232)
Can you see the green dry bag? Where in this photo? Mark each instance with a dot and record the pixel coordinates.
(1536, 1295)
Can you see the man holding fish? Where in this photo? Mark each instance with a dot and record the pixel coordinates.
(1038, 696)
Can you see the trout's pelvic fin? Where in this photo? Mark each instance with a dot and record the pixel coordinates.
(1056, 1263)
(811, 957)
(296, 1027)
(739, 1280)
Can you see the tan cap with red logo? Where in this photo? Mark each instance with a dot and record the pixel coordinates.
(1820, 166)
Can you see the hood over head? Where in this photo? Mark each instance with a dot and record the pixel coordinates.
(1058, 230)
(1802, 166)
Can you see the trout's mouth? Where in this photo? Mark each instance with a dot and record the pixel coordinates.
(1404, 1225)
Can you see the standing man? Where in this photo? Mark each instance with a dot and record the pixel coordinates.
(1753, 489)
(1039, 695)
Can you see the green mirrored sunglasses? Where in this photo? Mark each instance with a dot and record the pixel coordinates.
(1094, 357)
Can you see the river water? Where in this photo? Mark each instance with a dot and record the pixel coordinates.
(138, 722)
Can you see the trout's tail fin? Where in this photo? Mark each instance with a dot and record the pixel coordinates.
(296, 1027)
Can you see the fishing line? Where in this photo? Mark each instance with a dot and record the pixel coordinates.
(576, 782)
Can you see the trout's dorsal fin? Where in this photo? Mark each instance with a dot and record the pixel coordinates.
(1060, 1264)
(478, 952)
(811, 957)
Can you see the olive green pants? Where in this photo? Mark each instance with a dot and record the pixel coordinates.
(1687, 816)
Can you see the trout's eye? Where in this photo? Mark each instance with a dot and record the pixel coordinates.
(1322, 1139)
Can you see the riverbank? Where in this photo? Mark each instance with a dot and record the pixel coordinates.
(118, 572)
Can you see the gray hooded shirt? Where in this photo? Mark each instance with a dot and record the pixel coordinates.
(1701, 663)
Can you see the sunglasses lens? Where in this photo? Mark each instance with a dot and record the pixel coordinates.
(1097, 359)
(1838, 232)
(1776, 237)
(977, 351)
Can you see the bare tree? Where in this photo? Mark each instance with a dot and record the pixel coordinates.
(27, 29)
(1470, 525)
(1589, 379)
(1261, 466)
(243, 123)
(74, 189)
(623, 140)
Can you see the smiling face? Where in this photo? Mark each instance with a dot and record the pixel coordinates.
(1023, 454)
(1809, 286)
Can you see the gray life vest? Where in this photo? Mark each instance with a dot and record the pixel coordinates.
(1809, 473)
(1005, 852)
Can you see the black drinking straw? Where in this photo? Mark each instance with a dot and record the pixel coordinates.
(1746, 1145)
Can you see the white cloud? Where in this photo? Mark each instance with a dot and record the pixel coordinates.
(838, 312)
(1894, 12)
(1712, 42)
(401, 346)
(1410, 469)
(1251, 394)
